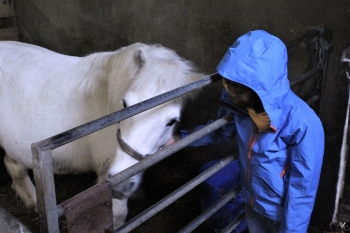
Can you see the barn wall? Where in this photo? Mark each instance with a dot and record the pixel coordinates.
(8, 27)
(201, 31)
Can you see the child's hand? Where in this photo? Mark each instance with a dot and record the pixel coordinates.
(173, 139)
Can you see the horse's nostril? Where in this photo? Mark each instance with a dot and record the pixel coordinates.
(131, 185)
(124, 189)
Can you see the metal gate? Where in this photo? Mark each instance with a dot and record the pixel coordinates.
(81, 210)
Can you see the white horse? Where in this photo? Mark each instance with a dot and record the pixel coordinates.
(43, 93)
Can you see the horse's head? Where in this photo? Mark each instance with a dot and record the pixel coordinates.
(158, 70)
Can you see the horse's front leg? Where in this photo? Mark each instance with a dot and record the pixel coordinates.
(21, 182)
(120, 211)
(119, 207)
(121, 193)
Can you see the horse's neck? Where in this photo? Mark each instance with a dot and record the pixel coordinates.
(108, 78)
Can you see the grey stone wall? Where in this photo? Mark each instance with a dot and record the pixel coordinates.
(201, 31)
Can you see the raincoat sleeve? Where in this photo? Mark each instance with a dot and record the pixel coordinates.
(223, 134)
(305, 168)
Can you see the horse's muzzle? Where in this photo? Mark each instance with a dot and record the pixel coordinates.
(126, 188)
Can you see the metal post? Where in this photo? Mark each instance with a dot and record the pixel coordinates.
(45, 188)
(344, 147)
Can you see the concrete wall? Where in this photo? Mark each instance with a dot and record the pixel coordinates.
(201, 31)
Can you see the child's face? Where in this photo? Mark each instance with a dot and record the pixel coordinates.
(241, 95)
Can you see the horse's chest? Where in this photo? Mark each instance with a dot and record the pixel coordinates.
(89, 153)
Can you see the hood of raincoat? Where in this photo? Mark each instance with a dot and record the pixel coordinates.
(259, 60)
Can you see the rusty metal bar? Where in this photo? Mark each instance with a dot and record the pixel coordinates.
(309, 35)
(45, 188)
(305, 75)
(145, 215)
(211, 210)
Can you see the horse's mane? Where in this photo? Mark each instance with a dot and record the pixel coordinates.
(160, 67)
(164, 70)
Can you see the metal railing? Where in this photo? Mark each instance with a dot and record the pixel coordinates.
(42, 159)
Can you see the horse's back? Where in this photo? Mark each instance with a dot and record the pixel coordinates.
(39, 96)
(8, 44)
(30, 67)
(12, 51)
(30, 73)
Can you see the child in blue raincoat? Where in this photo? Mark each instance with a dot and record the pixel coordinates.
(280, 139)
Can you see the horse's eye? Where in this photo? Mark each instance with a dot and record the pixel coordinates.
(170, 123)
(124, 104)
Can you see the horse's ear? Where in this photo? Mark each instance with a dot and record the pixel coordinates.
(140, 58)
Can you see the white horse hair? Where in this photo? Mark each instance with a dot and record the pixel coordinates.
(43, 93)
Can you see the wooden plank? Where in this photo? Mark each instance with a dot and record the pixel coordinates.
(91, 210)
(9, 34)
(6, 8)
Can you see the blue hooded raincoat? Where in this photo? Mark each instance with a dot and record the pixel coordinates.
(280, 167)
